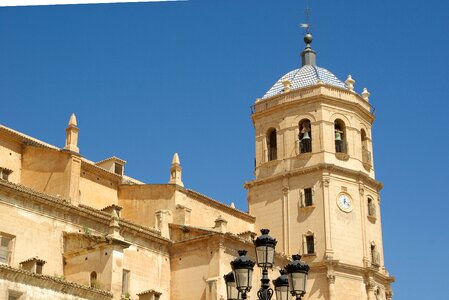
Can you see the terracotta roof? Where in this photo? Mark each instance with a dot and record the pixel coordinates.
(9, 171)
(112, 206)
(151, 292)
(114, 158)
(37, 259)
(5, 269)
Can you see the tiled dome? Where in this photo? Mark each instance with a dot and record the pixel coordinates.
(305, 76)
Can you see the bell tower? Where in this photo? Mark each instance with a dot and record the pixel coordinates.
(314, 183)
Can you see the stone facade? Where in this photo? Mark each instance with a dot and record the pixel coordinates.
(75, 229)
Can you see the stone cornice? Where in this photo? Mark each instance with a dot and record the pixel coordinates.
(312, 94)
(216, 204)
(24, 139)
(319, 167)
(351, 269)
(82, 210)
(52, 283)
(364, 271)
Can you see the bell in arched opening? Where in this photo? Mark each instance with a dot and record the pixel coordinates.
(340, 139)
(305, 137)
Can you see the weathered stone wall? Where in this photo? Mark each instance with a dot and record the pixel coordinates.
(11, 158)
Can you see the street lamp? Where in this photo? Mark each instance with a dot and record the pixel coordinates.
(293, 278)
(281, 286)
(265, 245)
(231, 287)
(297, 271)
(242, 267)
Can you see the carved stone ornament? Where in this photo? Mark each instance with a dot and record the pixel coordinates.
(342, 156)
(331, 278)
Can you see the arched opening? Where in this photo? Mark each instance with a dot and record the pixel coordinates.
(93, 279)
(366, 154)
(305, 136)
(340, 136)
(272, 144)
(371, 207)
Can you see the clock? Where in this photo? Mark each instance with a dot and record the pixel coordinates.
(344, 202)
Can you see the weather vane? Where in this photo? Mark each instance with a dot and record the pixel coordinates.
(307, 12)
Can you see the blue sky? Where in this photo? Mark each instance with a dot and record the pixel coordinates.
(147, 80)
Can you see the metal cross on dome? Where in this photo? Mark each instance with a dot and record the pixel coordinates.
(307, 12)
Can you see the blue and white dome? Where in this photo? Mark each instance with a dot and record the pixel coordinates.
(307, 75)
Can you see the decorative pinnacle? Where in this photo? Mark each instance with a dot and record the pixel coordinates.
(350, 83)
(175, 159)
(365, 94)
(72, 121)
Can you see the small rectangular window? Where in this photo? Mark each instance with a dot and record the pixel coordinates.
(156, 297)
(308, 200)
(39, 267)
(118, 169)
(125, 282)
(310, 244)
(5, 248)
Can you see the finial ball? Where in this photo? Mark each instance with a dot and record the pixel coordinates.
(308, 38)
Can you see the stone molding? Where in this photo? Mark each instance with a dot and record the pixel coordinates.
(216, 204)
(98, 216)
(312, 93)
(359, 176)
(52, 283)
(25, 139)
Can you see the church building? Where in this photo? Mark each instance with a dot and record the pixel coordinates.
(72, 228)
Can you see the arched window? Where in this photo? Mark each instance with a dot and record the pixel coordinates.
(371, 207)
(272, 144)
(340, 136)
(305, 136)
(366, 154)
(93, 279)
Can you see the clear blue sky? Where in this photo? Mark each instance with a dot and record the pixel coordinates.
(147, 80)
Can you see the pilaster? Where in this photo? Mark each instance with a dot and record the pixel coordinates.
(325, 182)
(286, 213)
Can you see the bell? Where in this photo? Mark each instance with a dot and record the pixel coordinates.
(337, 136)
(306, 136)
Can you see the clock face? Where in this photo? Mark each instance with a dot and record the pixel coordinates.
(344, 202)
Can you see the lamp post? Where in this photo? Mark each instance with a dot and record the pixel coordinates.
(297, 271)
(281, 286)
(242, 267)
(293, 278)
(265, 245)
(231, 287)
